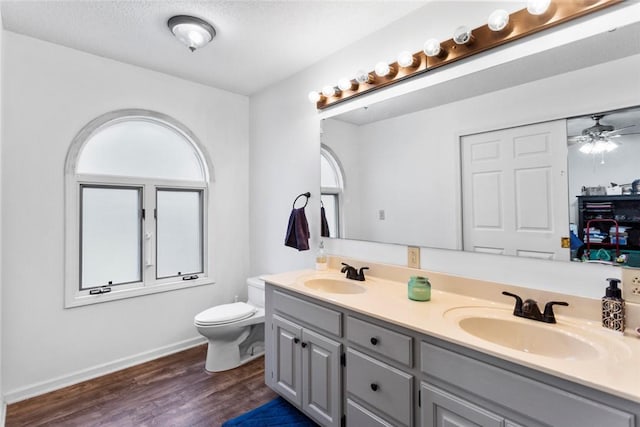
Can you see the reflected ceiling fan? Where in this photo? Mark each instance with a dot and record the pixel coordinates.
(597, 139)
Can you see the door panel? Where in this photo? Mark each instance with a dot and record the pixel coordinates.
(514, 195)
(322, 374)
(287, 378)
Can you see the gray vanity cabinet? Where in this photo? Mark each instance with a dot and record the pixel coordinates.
(394, 376)
(458, 390)
(442, 409)
(306, 365)
(372, 381)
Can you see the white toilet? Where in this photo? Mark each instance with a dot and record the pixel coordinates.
(235, 331)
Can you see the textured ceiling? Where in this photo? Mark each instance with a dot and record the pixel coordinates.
(258, 42)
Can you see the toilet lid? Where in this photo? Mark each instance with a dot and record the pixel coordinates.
(225, 313)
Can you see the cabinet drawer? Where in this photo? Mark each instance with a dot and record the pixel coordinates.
(380, 340)
(380, 385)
(357, 416)
(539, 401)
(320, 318)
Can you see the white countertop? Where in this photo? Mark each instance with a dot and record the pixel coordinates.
(615, 370)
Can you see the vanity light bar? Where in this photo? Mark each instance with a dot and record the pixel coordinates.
(519, 24)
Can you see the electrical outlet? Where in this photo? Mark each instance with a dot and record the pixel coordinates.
(631, 284)
(413, 257)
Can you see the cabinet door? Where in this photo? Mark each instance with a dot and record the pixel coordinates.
(321, 378)
(442, 409)
(287, 369)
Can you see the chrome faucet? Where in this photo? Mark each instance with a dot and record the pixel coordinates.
(352, 273)
(529, 309)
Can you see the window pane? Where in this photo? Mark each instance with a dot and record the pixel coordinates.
(330, 202)
(140, 148)
(111, 236)
(179, 230)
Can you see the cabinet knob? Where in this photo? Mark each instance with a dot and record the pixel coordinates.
(304, 344)
(374, 387)
(374, 341)
(296, 340)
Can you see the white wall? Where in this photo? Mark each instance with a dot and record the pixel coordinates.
(2, 404)
(283, 154)
(49, 93)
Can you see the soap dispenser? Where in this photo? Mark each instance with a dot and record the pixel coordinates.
(613, 307)
(321, 258)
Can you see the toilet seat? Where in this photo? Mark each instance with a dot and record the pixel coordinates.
(225, 313)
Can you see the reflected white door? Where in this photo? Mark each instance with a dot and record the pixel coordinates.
(514, 191)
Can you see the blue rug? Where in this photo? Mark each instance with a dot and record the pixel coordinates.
(278, 412)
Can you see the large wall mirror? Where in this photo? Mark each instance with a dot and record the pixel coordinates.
(395, 171)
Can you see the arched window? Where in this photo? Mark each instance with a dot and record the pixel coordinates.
(136, 208)
(332, 185)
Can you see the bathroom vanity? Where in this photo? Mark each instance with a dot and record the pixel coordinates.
(362, 354)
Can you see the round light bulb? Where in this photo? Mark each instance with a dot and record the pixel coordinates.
(462, 35)
(382, 69)
(314, 96)
(432, 47)
(328, 91)
(405, 59)
(538, 7)
(498, 20)
(345, 83)
(363, 76)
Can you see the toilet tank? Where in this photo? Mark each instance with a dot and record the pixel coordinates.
(255, 287)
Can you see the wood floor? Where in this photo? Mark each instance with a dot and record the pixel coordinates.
(172, 391)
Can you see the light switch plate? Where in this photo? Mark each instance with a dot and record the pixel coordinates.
(413, 257)
(631, 284)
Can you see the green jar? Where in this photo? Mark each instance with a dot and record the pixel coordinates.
(419, 288)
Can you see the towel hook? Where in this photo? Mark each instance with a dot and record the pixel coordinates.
(307, 195)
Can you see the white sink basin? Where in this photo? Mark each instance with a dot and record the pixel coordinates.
(559, 341)
(334, 286)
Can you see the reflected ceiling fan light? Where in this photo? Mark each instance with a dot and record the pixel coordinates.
(498, 20)
(538, 7)
(432, 47)
(314, 96)
(598, 146)
(191, 31)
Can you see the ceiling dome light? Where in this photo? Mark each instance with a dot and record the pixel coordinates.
(538, 7)
(462, 35)
(345, 84)
(314, 96)
(191, 31)
(382, 69)
(498, 20)
(432, 47)
(406, 59)
(363, 77)
(328, 91)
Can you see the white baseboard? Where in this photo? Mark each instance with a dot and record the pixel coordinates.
(37, 389)
(3, 411)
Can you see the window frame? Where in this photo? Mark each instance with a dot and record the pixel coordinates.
(201, 192)
(336, 192)
(73, 295)
(82, 186)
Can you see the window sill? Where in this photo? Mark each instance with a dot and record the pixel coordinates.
(78, 300)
